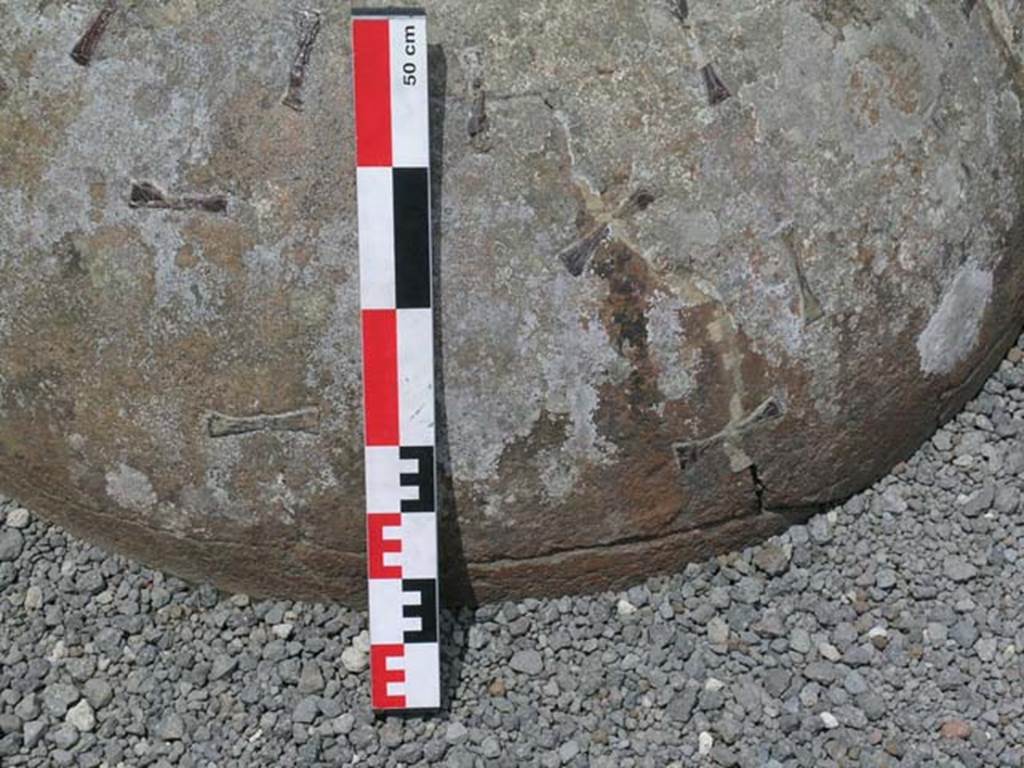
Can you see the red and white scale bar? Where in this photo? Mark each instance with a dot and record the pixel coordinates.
(389, 50)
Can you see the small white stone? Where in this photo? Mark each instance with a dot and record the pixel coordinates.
(809, 695)
(354, 659)
(58, 652)
(705, 742)
(18, 518)
(829, 651)
(986, 648)
(81, 716)
(877, 632)
(942, 441)
(282, 631)
(362, 641)
(713, 684)
(829, 720)
(936, 632)
(718, 632)
(625, 608)
(33, 598)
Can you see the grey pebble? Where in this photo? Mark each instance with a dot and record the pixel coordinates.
(1007, 499)
(10, 723)
(980, 501)
(885, 578)
(98, 692)
(490, 748)
(362, 736)
(11, 544)
(32, 732)
(65, 736)
(965, 633)
(344, 723)
(434, 750)
(777, 681)
(568, 751)
(223, 666)
(311, 680)
(528, 662)
(10, 745)
(820, 671)
(456, 733)
(772, 558)
(854, 683)
(682, 704)
(958, 569)
(408, 753)
(57, 698)
(460, 757)
(800, 640)
(820, 530)
(986, 648)
(872, 705)
(170, 727)
(307, 710)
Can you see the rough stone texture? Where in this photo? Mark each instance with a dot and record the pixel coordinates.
(703, 270)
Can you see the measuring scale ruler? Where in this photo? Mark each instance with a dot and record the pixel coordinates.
(389, 53)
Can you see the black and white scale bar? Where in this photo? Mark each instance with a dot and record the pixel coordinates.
(389, 50)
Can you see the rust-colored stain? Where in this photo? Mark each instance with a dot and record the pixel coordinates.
(28, 140)
(624, 316)
(222, 242)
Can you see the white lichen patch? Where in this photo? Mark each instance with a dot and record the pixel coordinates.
(667, 340)
(952, 331)
(131, 488)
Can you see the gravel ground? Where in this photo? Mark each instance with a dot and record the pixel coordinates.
(887, 632)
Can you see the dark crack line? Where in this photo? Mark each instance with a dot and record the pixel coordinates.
(758, 488)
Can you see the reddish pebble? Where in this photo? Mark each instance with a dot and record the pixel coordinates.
(955, 729)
